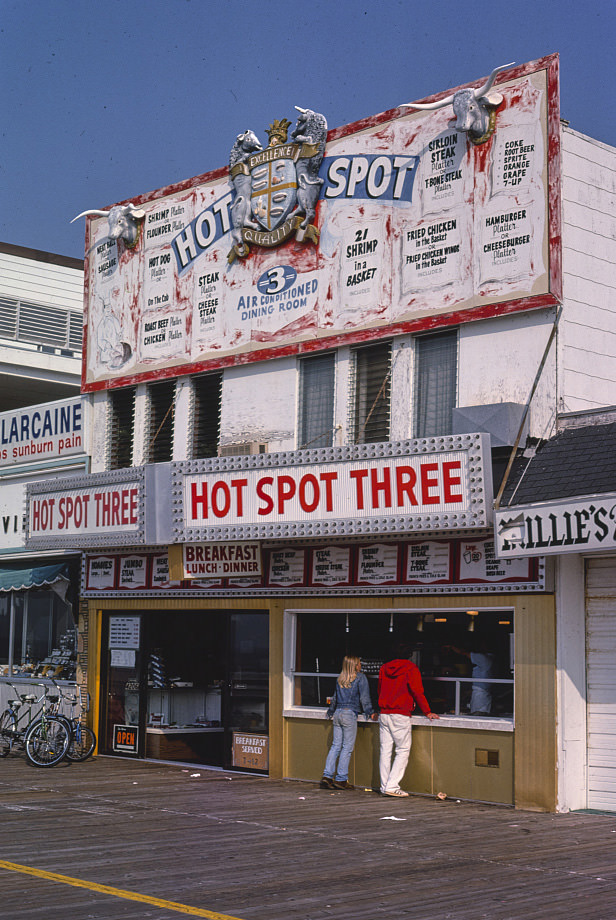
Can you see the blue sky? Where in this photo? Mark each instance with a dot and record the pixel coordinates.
(105, 101)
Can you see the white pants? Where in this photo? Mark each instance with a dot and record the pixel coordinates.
(395, 735)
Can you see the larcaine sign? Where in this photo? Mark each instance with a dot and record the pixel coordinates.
(43, 432)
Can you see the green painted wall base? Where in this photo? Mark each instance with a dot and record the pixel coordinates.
(442, 759)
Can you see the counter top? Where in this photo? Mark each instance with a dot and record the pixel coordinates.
(485, 723)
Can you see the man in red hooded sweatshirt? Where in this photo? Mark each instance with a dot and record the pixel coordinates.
(400, 687)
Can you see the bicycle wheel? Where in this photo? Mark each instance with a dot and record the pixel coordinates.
(82, 743)
(46, 742)
(8, 729)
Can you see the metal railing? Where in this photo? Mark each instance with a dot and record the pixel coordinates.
(322, 683)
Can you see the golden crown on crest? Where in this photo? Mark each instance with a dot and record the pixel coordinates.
(278, 132)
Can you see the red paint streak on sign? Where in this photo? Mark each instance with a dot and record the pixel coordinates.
(423, 324)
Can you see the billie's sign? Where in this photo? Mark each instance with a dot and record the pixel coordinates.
(553, 528)
(407, 489)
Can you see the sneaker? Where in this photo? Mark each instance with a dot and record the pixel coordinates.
(398, 793)
(327, 783)
(344, 784)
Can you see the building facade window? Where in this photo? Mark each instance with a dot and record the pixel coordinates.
(436, 383)
(207, 391)
(317, 377)
(38, 635)
(161, 402)
(465, 657)
(41, 324)
(121, 428)
(371, 393)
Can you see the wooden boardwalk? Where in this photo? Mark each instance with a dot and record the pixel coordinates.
(230, 845)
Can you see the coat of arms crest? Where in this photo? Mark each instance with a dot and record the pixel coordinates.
(277, 188)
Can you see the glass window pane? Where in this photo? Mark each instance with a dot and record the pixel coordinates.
(45, 635)
(436, 363)
(452, 649)
(5, 619)
(316, 411)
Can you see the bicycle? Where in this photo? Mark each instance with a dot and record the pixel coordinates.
(44, 738)
(83, 738)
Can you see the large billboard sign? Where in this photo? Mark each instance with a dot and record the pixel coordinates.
(398, 223)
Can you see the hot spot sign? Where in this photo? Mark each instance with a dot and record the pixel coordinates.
(87, 511)
(441, 487)
(100, 510)
(372, 488)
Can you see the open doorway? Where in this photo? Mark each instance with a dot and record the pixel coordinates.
(187, 686)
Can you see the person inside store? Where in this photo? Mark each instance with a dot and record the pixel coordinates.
(351, 696)
(482, 660)
(400, 689)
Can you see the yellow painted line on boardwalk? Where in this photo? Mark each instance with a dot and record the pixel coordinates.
(115, 892)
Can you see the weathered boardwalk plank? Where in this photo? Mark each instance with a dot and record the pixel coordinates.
(261, 849)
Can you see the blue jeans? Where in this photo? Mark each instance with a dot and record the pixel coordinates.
(345, 732)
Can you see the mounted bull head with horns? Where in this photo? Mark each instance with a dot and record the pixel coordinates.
(475, 109)
(123, 222)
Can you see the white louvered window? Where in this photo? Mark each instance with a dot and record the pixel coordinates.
(371, 407)
(121, 428)
(316, 401)
(161, 416)
(436, 379)
(207, 391)
(38, 324)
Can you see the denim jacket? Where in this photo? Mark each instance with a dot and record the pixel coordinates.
(356, 697)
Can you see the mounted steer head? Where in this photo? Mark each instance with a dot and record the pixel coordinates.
(474, 108)
(123, 222)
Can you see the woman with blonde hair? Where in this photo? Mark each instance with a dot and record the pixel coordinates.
(351, 696)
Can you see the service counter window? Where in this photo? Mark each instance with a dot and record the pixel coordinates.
(465, 656)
